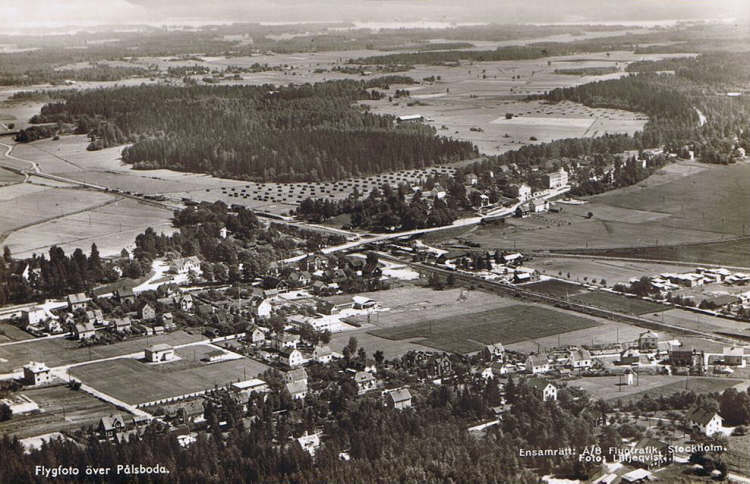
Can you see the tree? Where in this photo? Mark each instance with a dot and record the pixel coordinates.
(5, 412)
(379, 357)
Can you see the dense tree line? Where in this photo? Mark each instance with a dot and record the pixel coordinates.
(387, 209)
(310, 132)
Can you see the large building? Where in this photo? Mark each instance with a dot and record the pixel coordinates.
(556, 179)
(160, 352)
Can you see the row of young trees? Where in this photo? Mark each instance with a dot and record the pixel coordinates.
(309, 132)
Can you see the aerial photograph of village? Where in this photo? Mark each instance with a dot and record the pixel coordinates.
(375, 241)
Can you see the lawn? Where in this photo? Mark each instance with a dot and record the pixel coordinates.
(617, 303)
(695, 385)
(135, 382)
(469, 332)
(556, 288)
(8, 332)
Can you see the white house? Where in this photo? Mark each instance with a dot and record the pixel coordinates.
(537, 364)
(34, 316)
(291, 357)
(309, 443)
(546, 390)
(256, 336)
(297, 389)
(580, 358)
(159, 352)
(186, 265)
(36, 373)
(524, 192)
(399, 399)
(322, 354)
(706, 420)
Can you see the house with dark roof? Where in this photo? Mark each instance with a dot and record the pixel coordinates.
(121, 325)
(124, 294)
(297, 389)
(537, 364)
(706, 420)
(110, 425)
(84, 331)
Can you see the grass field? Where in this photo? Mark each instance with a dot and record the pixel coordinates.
(691, 320)
(556, 288)
(609, 388)
(471, 331)
(136, 382)
(590, 269)
(9, 332)
(731, 253)
(60, 351)
(61, 409)
(617, 303)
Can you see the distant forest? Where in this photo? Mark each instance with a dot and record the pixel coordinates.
(266, 133)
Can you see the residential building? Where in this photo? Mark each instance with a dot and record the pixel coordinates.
(147, 312)
(399, 399)
(543, 388)
(537, 364)
(297, 389)
(706, 420)
(524, 192)
(580, 358)
(83, 331)
(291, 357)
(77, 301)
(309, 442)
(123, 295)
(185, 302)
(286, 340)
(121, 325)
(186, 265)
(648, 340)
(109, 426)
(35, 316)
(322, 354)
(159, 352)
(36, 373)
(365, 382)
(493, 352)
(296, 375)
(255, 336)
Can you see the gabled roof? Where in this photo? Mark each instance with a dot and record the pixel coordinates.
(77, 298)
(363, 376)
(538, 383)
(112, 422)
(702, 415)
(297, 374)
(85, 327)
(296, 387)
(537, 360)
(400, 395)
(322, 350)
(160, 347)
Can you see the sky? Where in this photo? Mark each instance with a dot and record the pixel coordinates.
(18, 15)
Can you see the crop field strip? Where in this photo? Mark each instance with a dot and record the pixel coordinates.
(467, 333)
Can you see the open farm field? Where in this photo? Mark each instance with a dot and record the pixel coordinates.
(111, 226)
(731, 253)
(724, 208)
(670, 210)
(505, 325)
(60, 409)
(27, 204)
(404, 305)
(594, 270)
(605, 332)
(60, 351)
(135, 382)
(608, 387)
(7, 177)
(9, 332)
(703, 322)
(617, 303)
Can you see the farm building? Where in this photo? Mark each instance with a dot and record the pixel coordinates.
(36, 373)
(159, 352)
